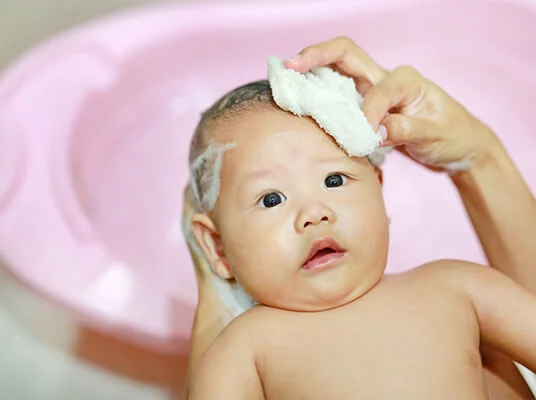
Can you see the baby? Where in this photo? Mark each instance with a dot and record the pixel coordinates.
(303, 229)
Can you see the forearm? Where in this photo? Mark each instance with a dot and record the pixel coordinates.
(205, 329)
(208, 324)
(503, 212)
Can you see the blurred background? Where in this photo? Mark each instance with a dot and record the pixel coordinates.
(26, 22)
(43, 354)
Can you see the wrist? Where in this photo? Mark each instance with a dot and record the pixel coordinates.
(492, 161)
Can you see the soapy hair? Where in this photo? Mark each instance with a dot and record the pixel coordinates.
(205, 154)
(205, 160)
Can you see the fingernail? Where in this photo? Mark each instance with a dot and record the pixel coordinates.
(294, 59)
(382, 131)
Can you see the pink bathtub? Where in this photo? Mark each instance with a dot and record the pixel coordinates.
(95, 126)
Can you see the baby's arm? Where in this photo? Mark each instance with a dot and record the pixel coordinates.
(506, 311)
(227, 370)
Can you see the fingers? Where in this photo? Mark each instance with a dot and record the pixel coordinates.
(400, 89)
(342, 52)
(403, 130)
(400, 92)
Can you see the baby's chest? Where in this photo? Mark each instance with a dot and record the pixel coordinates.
(377, 353)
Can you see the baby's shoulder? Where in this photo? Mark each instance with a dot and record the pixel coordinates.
(442, 267)
(444, 274)
(239, 336)
(249, 325)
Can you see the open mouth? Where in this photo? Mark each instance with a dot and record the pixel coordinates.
(324, 253)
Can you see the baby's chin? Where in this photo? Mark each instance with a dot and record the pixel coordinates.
(319, 302)
(311, 308)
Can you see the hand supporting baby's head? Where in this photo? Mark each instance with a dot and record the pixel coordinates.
(281, 208)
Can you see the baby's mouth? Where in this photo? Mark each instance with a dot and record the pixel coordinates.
(324, 253)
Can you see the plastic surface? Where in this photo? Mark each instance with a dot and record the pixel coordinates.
(95, 126)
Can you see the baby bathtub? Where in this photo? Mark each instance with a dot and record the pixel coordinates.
(95, 126)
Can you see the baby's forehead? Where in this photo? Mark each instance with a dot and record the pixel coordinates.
(246, 123)
(284, 148)
(259, 125)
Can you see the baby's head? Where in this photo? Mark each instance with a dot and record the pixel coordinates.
(297, 223)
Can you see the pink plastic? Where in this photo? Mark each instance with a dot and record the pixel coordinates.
(95, 127)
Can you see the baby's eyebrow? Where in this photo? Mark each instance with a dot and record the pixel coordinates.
(259, 174)
(345, 161)
(330, 160)
(266, 172)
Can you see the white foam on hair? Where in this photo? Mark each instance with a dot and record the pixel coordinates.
(323, 94)
(205, 171)
(332, 100)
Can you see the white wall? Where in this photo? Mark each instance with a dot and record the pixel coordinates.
(25, 22)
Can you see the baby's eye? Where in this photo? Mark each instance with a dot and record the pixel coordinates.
(271, 200)
(335, 180)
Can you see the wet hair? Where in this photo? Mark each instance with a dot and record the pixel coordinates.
(205, 159)
(205, 155)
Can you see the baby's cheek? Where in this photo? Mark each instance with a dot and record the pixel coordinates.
(247, 246)
(359, 219)
(353, 215)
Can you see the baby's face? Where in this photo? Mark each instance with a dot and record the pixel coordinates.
(300, 225)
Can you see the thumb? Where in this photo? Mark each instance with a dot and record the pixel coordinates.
(402, 129)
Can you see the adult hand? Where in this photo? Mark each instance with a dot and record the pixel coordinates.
(422, 120)
(435, 130)
(211, 315)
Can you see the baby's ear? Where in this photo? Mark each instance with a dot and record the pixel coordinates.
(208, 237)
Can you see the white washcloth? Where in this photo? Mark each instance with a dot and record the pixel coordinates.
(331, 99)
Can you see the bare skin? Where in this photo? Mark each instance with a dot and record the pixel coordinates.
(434, 130)
(380, 346)
(498, 201)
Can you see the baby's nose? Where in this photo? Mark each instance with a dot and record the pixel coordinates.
(314, 215)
